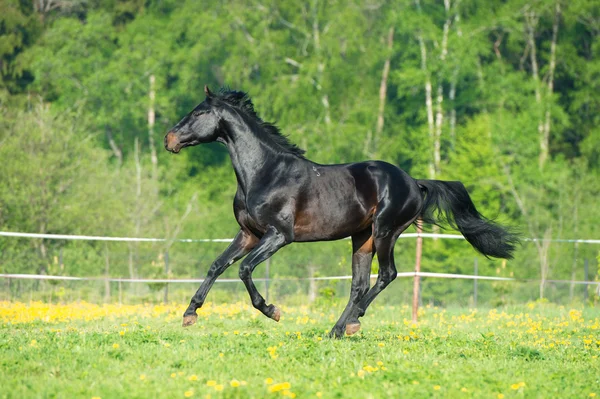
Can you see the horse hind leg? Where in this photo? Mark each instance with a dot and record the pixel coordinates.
(363, 250)
(384, 239)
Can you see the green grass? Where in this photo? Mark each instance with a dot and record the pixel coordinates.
(522, 352)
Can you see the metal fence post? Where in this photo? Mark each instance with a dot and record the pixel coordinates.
(106, 275)
(585, 278)
(416, 283)
(475, 285)
(166, 298)
(268, 266)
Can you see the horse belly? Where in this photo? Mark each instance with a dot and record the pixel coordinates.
(331, 220)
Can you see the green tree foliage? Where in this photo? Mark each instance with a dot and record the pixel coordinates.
(501, 95)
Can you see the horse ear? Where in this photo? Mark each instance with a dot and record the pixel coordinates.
(207, 91)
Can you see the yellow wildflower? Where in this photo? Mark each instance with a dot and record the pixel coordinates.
(115, 346)
(279, 387)
(193, 377)
(268, 381)
(211, 383)
(437, 387)
(188, 394)
(142, 377)
(234, 383)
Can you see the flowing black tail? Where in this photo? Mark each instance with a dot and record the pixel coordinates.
(449, 202)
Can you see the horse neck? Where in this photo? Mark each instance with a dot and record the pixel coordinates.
(249, 151)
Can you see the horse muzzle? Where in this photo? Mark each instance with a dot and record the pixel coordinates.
(172, 143)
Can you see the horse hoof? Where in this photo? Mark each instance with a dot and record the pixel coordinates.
(276, 314)
(352, 328)
(189, 320)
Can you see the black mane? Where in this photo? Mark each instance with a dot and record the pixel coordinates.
(242, 101)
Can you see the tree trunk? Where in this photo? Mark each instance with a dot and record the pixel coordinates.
(428, 102)
(428, 98)
(383, 92)
(545, 137)
(321, 66)
(530, 23)
(114, 147)
(151, 120)
(439, 115)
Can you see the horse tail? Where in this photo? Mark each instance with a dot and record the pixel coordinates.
(449, 202)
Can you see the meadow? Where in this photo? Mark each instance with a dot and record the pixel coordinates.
(83, 350)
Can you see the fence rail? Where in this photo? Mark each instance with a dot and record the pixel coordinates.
(142, 239)
(416, 275)
(231, 280)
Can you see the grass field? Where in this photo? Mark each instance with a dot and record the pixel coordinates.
(88, 351)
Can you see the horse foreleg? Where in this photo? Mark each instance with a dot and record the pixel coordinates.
(240, 246)
(272, 241)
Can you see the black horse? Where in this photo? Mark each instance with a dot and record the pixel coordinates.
(283, 197)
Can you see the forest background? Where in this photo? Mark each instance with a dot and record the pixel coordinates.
(502, 95)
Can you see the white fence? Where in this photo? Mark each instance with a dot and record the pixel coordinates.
(415, 274)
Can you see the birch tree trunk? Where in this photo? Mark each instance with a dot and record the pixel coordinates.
(114, 147)
(151, 120)
(383, 91)
(428, 100)
(321, 65)
(545, 136)
(530, 23)
(453, 81)
(439, 114)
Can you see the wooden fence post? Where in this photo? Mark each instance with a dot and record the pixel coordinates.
(416, 290)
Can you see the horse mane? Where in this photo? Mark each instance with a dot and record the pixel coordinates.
(242, 101)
